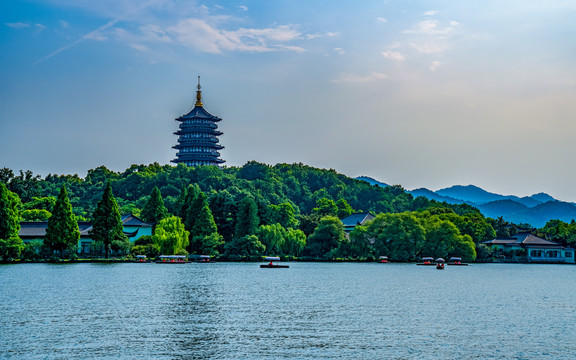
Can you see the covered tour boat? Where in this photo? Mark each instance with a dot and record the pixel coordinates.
(440, 263)
(172, 259)
(141, 258)
(273, 263)
(456, 261)
(427, 261)
(383, 259)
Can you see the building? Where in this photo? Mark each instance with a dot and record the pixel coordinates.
(525, 247)
(353, 220)
(132, 226)
(198, 136)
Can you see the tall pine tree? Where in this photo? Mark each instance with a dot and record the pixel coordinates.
(62, 231)
(247, 220)
(154, 210)
(107, 222)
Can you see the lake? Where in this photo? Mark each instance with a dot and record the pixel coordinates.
(309, 311)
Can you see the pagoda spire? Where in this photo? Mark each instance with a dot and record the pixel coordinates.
(198, 94)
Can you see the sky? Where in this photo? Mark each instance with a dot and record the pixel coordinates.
(417, 93)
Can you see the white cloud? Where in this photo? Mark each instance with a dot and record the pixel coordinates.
(205, 37)
(360, 79)
(40, 26)
(139, 47)
(431, 27)
(155, 33)
(340, 51)
(431, 13)
(393, 55)
(64, 24)
(243, 8)
(327, 34)
(430, 47)
(17, 25)
(381, 19)
(435, 65)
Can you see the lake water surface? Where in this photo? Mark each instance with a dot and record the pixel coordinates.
(309, 311)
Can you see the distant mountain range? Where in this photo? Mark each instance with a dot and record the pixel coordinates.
(535, 210)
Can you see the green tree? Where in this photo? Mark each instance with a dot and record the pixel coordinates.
(398, 236)
(344, 209)
(204, 233)
(294, 242)
(272, 236)
(107, 222)
(283, 214)
(326, 237)
(41, 203)
(154, 210)
(35, 215)
(224, 211)
(247, 219)
(325, 207)
(170, 236)
(9, 216)
(244, 248)
(62, 231)
(10, 244)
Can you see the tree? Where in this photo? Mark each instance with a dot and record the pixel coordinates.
(244, 248)
(344, 209)
(154, 210)
(62, 231)
(247, 220)
(294, 242)
(326, 237)
(10, 243)
(398, 236)
(35, 215)
(283, 214)
(204, 233)
(325, 207)
(272, 236)
(107, 222)
(224, 211)
(170, 236)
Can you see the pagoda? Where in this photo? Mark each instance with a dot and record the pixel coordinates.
(198, 136)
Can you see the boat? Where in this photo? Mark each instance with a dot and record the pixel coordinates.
(272, 263)
(456, 261)
(203, 258)
(383, 259)
(427, 261)
(141, 258)
(200, 258)
(440, 263)
(172, 259)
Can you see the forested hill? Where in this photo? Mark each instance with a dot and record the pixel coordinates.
(297, 184)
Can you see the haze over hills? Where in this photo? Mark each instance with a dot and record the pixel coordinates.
(535, 210)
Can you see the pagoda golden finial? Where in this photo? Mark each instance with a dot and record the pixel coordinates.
(199, 94)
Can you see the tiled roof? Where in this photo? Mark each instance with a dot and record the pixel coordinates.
(131, 220)
(33, 229)
(526, 239)
(357, 219)
(199, 112)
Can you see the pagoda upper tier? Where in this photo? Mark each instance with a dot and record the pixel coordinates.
(198, 136)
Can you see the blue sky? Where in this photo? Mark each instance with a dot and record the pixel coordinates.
(418, 93)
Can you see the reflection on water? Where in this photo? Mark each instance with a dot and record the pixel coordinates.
(310, 311)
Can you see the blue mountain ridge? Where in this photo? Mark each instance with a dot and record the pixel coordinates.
(535, 210)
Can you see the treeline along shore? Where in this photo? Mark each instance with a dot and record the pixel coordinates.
(241, 214)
